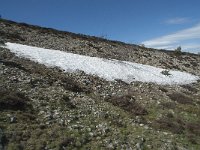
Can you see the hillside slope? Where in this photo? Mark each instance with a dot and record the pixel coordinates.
(47, 108)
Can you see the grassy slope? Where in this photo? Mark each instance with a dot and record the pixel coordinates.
(84, 112)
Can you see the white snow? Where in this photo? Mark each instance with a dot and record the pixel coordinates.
(108, 69)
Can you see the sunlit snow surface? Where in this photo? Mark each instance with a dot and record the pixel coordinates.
(104, 68)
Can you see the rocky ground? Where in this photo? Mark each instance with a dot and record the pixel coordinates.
(46, 108)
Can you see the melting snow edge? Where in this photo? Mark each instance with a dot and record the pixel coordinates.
(104, 68)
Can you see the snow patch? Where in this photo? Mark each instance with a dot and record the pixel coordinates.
(109, 69)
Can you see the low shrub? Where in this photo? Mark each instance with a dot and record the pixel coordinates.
(127, 103)
(67, 142)
(2, 42)
(66, 101)
(181, 98)
(15, 36)
(165, 72)
(168, 105)
(71, 85)
(170, 125)
(194, 128)
(13, 64)
(192, 139)
(163, 89)
(3, 139)
(190, 88)
(194, 64)
(177, 125)
(177, 51)
(14, 101)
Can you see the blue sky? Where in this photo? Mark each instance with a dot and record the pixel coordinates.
(156, 23)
